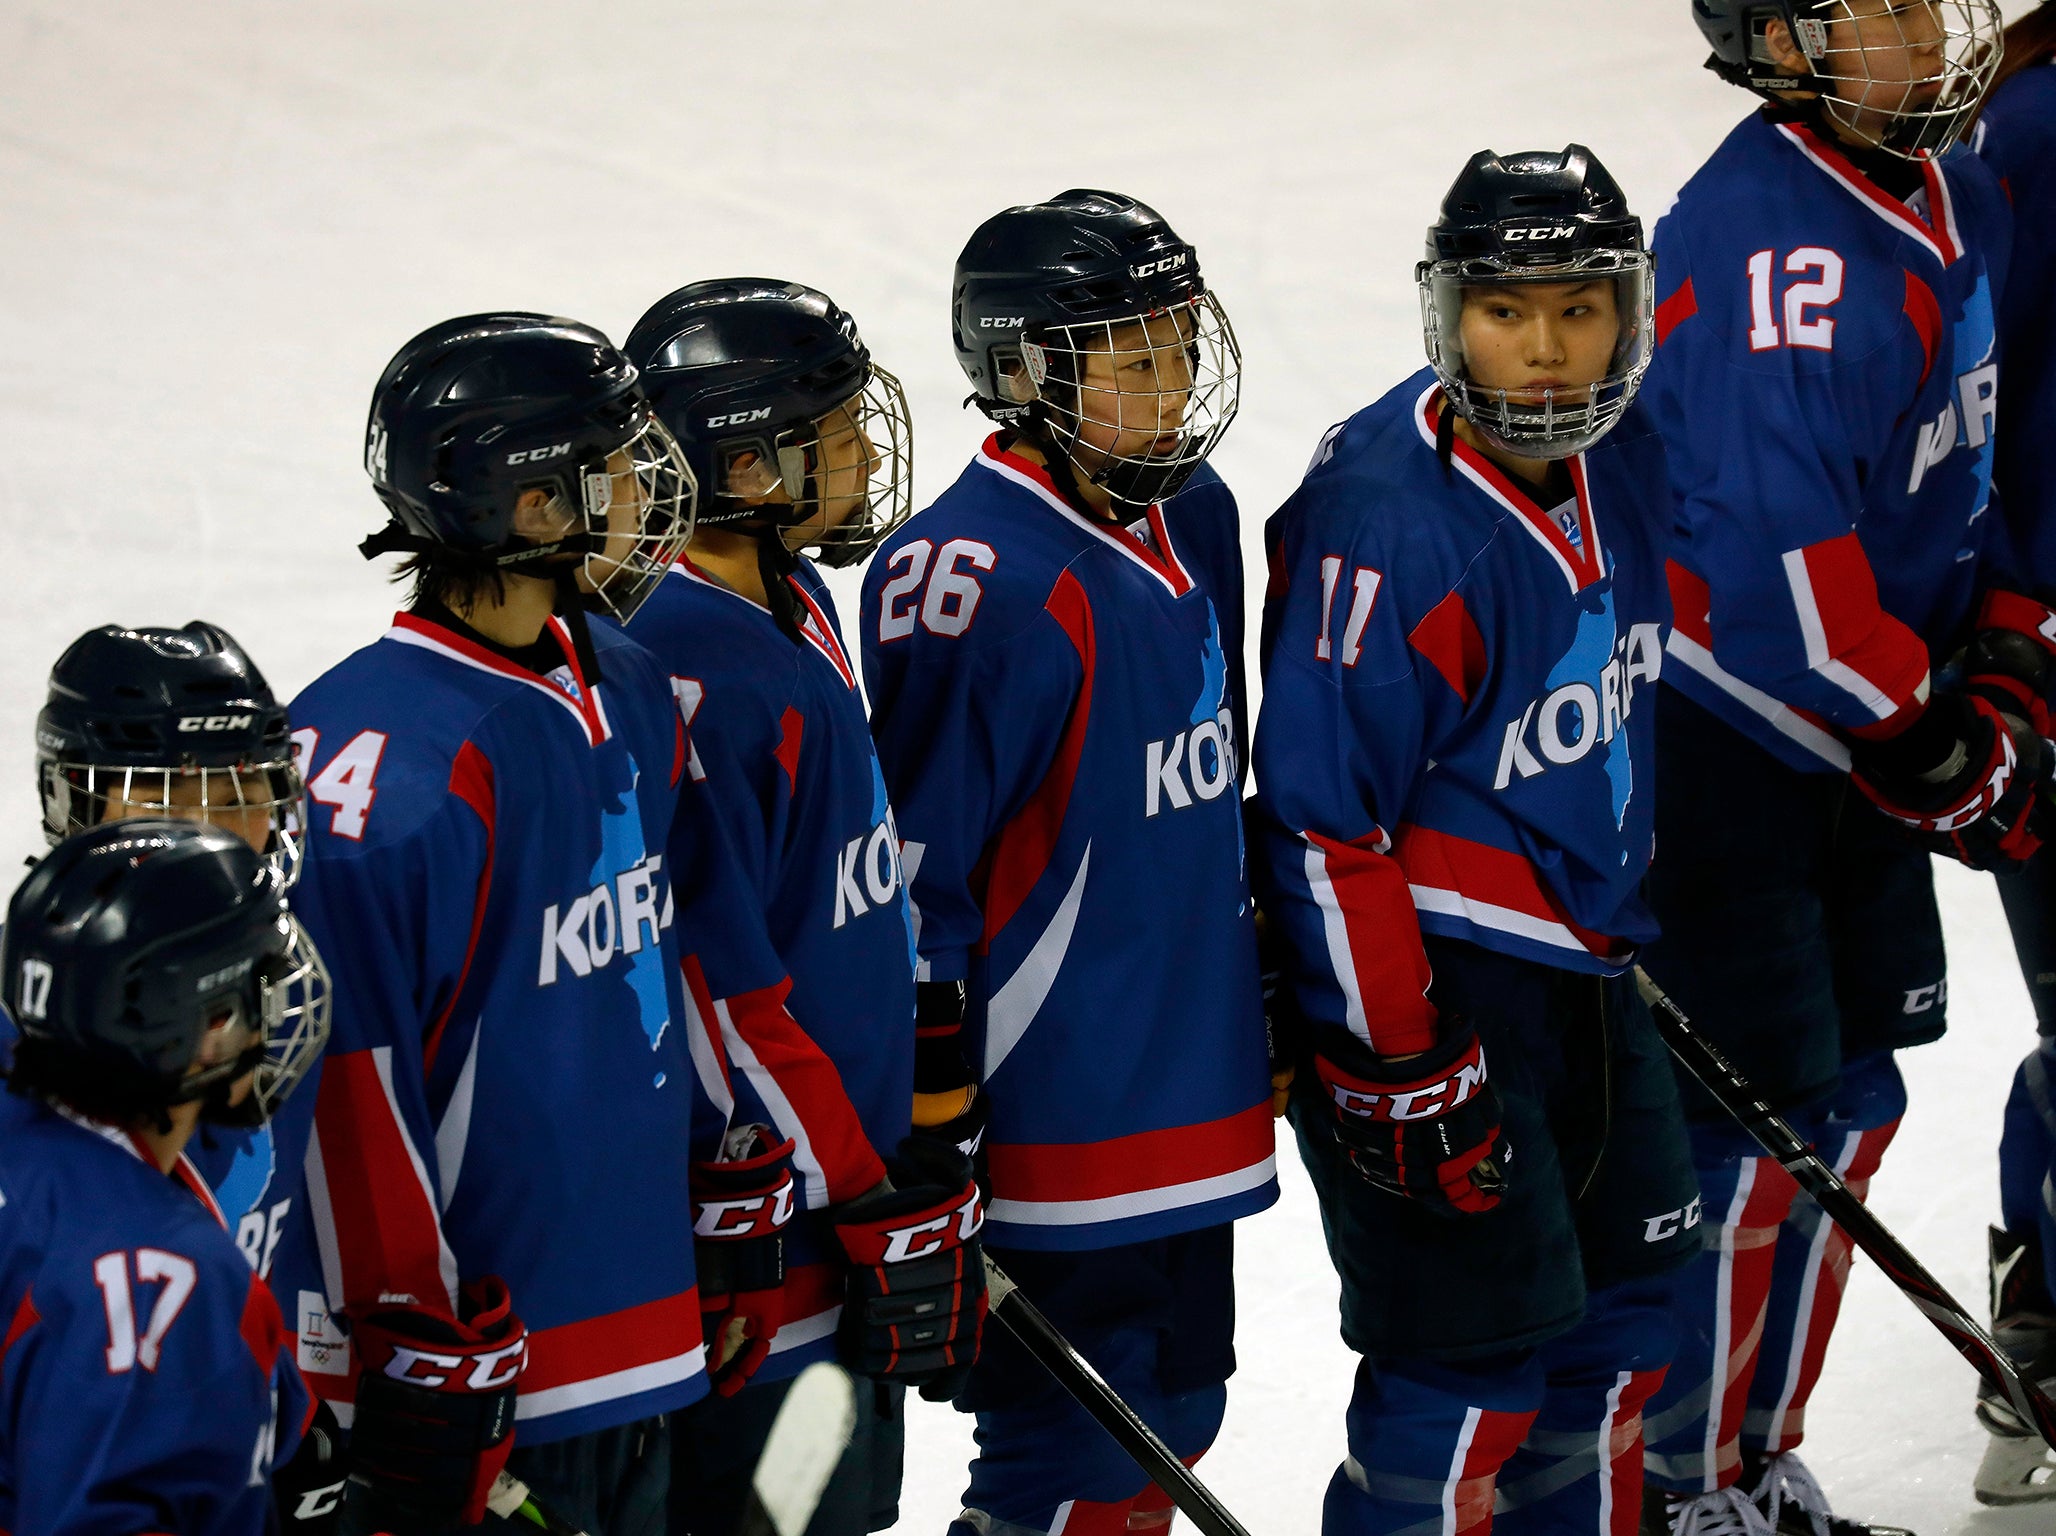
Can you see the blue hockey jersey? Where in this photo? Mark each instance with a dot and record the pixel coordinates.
(1056, 713)
(1458, 716)
(508, 1082)
(146, 1383)
(2016, 136)
(1826, 385)
(779, 741)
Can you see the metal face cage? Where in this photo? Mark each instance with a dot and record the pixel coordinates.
(1138, 403)
(1918, 67)
(638, 509)
(295, 995)
(1551, 423)
(261, 801)
(840, 534)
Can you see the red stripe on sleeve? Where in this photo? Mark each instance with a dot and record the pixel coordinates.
(1385, 967)
(388, 1237)
(1280, 579)
(791, 726)
(1028, 840)
(1858, 632)
(1926, 315)
(1448, 637)
(812, 1086)
(471, 780)
(1675, 311)
(679, 752)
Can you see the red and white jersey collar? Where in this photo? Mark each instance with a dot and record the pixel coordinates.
(182, 1172)
(814, 625)
(1937, 232)
(1162, 562)
(581, 699)
(1583, 562)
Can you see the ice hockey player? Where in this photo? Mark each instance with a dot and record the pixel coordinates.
(1461, 645)
(158, 981)
(1826, 386)
(2016, 135)
(799, 440)
(504, 1112)
(180, 723)
(1053, 655)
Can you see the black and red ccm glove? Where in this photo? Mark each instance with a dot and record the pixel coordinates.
(1960, 780)
(1426, 1127)
(740, 1208)
(435, 1403)
(914, 1310)
(2011, 659)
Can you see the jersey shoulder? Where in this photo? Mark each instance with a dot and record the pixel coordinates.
(77, 1195)
(971, 572)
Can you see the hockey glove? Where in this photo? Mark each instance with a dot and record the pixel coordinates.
(948, 1103)
(308, 1490)
(1426, 1127)
(740, 1207)
(435, 1405)
(915, 1306)
(2011, 660)
(1959, 780)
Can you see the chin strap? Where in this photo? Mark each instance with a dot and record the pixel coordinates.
(1445, 434)
(775, 566)
(571, 606)
(395, 539)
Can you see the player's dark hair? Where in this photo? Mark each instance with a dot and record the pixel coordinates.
(456, 585)
(41, 1070)
(2029, 41)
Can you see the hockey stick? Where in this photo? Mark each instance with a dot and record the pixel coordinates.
(1703, 1059)
(1074, 1373)
(510, 1499)
(807, 1439)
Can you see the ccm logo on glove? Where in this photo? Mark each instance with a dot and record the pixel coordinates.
(757, 1216)
(425, 1368)
(896, 1245)
(1421, 1102)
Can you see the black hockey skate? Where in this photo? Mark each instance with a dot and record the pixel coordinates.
(1792, 1503)
(2018, 1467)
(1724, 1512)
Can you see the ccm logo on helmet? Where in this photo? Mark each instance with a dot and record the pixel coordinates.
(926, 1237)
(537, 455)
(425, 1368)
(1167, 264)
(1002, 322)
(1541, 232)
(739, 418)
(216, 722)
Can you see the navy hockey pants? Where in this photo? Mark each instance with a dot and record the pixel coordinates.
(1800, 935)
(1508, 1354)
(719, 1440)
(1157, 1320)
(1756, 1308)
(2027, 1146)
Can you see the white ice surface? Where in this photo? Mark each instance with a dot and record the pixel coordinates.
(218, 220)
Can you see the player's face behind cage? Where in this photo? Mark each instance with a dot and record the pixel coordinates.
(638, 516)
(848, 475)
(1542, 361)
(1138, 403)
(261, 801)
(1905, 75)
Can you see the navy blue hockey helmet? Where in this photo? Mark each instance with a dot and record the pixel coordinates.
(151, 963)
(168, 722)
(1906, 77)
(772, 394)
(1537, 217)
(474, 412)
(1042, 289)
